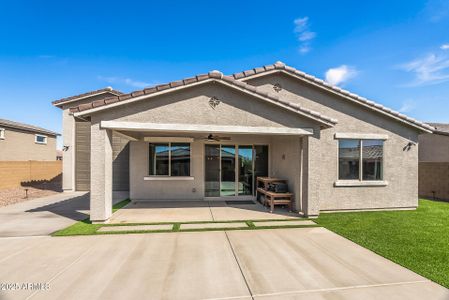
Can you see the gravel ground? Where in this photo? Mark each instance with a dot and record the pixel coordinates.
(35, 190)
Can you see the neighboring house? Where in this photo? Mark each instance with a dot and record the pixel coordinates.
(434, 163)
(209, 136)
(22, 142)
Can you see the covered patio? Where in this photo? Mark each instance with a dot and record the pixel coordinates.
(197, 211)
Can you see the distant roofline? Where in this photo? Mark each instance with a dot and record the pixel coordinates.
(26, 127)
(440, 128)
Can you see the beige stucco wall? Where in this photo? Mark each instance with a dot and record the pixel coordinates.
(20, 145)
(191, 106)
(400, 166)
(433, 148)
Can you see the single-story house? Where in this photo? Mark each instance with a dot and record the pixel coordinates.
(23, 142)
(434, 163)
(209, 137)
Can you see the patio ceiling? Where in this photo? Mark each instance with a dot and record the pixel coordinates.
(195, 128)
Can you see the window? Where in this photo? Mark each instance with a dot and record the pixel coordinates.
(360, 159)
(372, 157)
(40, 139)
(2, 133)
(169, 159)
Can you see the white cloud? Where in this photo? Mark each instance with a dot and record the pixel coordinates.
(444, 47)
(303, 34)
(127, 81)
(340, 75)
(430, 69)
(407, 106)
(304, 49)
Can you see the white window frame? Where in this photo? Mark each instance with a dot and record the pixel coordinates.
(2, 133)
(40, 135)
(360, 181)
(169, 176)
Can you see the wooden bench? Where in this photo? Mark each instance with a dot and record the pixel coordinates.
(272, 199)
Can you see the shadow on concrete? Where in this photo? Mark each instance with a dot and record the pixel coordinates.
(75, 208)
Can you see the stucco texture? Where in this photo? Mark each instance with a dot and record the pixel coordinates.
(400, 162)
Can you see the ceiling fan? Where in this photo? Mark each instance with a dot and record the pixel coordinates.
(216, 138)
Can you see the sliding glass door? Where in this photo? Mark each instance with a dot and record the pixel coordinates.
(227, 185)
(231, 170)
(245, 169)
(212, 171)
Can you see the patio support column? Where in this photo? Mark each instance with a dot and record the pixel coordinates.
(101, 174)
(311, 174)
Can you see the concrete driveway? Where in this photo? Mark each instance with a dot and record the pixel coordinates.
(306, 263)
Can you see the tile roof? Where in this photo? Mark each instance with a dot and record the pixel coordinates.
(440, 128)
(27, 127)
(236, 80)
(84, 95)
(213, 75)
(281, 67)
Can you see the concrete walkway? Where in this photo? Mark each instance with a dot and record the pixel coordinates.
(46, 215)
(43, 216)
(306, 263)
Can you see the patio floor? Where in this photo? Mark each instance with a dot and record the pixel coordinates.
(195, 211)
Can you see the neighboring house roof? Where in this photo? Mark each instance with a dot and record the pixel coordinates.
(280, 67)
(216, 76)
(85, 95)
(440, 128)
(26, 127)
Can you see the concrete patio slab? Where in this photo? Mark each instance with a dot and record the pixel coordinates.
(223, 212)
(136, 228)
(193, 211)
(163, 211)
(213, 225)
(309, 259)
(284, 223)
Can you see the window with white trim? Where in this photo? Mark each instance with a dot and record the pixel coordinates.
(2, 133)
(169, 159)
(360, 159)
(40, 139)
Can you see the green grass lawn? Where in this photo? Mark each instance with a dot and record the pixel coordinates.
(417, 240)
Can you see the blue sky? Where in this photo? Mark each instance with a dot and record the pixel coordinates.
(392, 52)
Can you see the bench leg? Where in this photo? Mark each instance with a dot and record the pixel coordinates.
(271, 205)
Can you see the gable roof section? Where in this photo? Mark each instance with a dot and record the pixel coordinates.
(26, 127)
(280, 67)
(62, 101)
(214, 76)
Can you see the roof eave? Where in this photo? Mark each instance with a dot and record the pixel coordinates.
(62, 103)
